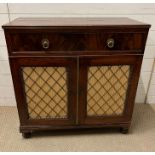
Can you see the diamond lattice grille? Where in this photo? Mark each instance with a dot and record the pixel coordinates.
(106, 90)
(46, 91)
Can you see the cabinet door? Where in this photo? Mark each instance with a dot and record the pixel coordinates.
(46, 90)
(107, 88)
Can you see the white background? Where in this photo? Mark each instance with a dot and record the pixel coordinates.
(141, 12)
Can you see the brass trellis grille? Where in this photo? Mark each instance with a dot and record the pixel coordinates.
(46, 91)
(106, 90)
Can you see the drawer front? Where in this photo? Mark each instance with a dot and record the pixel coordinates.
(42, 42)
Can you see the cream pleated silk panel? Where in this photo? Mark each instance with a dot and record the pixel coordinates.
(106, 90)
(46, 92)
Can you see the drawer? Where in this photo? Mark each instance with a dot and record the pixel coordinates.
(30, 42)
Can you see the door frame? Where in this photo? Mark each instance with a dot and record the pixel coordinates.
(69, 62)
(84, 62)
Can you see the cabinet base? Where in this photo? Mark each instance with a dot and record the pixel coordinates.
(27, 130)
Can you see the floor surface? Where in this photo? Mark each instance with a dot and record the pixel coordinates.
(140, 138)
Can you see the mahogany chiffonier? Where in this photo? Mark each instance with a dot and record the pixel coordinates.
(75, 72)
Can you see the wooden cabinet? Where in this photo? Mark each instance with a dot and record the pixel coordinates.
(75, 72)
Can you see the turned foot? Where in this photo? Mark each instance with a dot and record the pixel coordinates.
(124, 130)
(26, 135)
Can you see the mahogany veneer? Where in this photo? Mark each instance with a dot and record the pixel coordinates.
(75, 72)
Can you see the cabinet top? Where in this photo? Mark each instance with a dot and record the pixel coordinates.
(76, 21)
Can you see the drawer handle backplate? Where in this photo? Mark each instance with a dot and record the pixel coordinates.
(45, 43)
(110, 43)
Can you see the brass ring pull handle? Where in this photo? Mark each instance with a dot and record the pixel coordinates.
(45, 43)
(110, 43)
